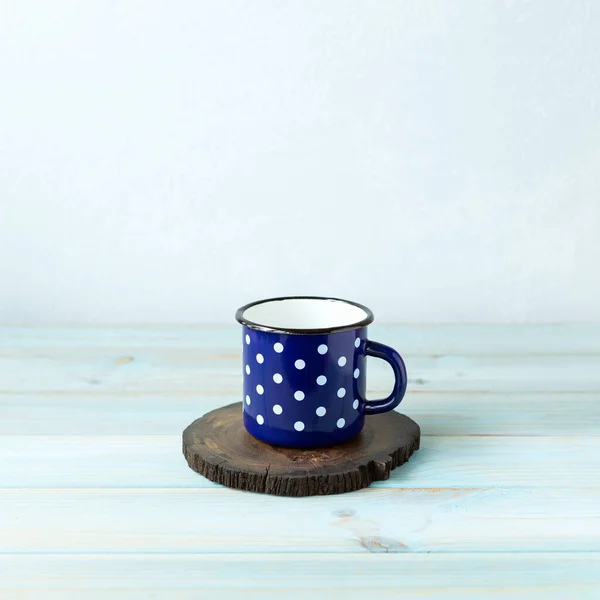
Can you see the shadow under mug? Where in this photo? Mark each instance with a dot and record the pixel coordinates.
(304, 368)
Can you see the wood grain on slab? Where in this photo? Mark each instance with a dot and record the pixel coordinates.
(218, 446)
(96, 500)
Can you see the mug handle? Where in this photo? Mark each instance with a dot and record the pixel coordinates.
(377, 350)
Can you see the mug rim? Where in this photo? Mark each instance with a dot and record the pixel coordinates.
(239, 316)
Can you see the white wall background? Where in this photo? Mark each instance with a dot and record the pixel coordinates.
(166, 161)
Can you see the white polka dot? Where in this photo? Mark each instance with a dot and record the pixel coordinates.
(248, 400)
(260, 359)
(342, 361)
(321, 411)
(299, 364)
(260, 419)
(321, 380)
(341, 393)
(277, 409)
(299, 395)
(247, 340)
(278, 347)
(277, 378)
(322, 349)
(355, 404)
(356, 373)
(341, 422)
(357, 342)
(298, 425)
(247, 369)
(260, 389)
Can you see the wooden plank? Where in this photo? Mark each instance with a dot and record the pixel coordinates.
(439, 339)
(104, 370)
(553, 576)
(443, 413)
(220, 520)
(156, 461)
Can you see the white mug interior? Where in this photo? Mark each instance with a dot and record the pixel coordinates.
(305, 313)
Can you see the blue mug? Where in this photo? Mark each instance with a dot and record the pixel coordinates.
(305, 370)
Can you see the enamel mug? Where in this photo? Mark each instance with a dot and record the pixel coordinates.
(304, 369)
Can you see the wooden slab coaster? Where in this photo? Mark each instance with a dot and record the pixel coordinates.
(218, 446)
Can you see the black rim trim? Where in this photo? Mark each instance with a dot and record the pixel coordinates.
(239, 315)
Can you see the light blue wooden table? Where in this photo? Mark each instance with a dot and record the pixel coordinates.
(96, 500)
